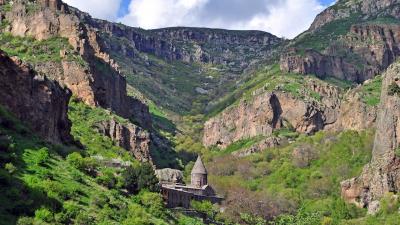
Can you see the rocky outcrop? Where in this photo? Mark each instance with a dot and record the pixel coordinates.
(270, 111)
(35, 100)
(354, 114)
(364, 52)
(199, 45)
(382, 174)
(128, 136)
(99, 83)
(345, 8)
(170, 176)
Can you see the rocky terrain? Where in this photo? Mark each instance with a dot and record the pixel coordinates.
(279, 123)
(365, 45)
(32, 98)
(381, 175)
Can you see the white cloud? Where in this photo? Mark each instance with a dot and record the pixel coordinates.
(103, 9)
(285, 18)
(162, 13)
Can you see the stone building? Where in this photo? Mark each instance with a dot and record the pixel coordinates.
(180, 195)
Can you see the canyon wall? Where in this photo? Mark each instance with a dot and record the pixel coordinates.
(40, 103)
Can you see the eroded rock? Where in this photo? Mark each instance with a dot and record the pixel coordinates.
(128, 136)
(35, 100)
(382, 174)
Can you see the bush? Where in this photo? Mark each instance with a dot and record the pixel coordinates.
(25, 221)
(393, 89)
(41, 156)
(205, 207)
(10, 168)
(107, 178)
(87, 165)
(143, 177)
(43, 214)
(390, 204)
(153, 202)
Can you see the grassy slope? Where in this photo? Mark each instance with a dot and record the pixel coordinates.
(36, 180)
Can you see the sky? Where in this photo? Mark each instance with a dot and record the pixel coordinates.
(284, 18)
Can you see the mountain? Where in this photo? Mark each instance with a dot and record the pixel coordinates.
(90, 110)
(352, 40)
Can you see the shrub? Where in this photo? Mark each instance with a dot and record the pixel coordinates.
(204, 207)
(390, 204)
(41, 156)
(107, 178)
(393, 89)
(25, 221)
(153, 202)
(10, 168)
(252, 220)
(87, 165)
(44, 214)
(143, 177)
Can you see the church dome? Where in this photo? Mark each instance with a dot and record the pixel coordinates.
(199, 167)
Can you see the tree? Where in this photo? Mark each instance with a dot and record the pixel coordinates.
(143, 177)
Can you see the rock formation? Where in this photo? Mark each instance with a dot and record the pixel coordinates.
(128, 136)
(368, 42)
(345, 8)
(97, 84)
(354, 114)
(382, 174)
(170, 176)
(366, 51)
(270, 111)
(35, 100)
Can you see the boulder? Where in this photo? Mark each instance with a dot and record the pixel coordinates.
(169, 175)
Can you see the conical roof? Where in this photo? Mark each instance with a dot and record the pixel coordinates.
(199, 167)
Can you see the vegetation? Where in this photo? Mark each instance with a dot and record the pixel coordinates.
(52, 184)
(326, 35)
(371, 92)
(33, 51)
(271, 78)
(393, 89)
(300, 181)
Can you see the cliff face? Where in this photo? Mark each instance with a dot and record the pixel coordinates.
(352, 40)
(129, 137)
(99, 83)
(382, 174)
(364, 52)
(271, 111)
(39, 102)
(354, 114)
(344, 9)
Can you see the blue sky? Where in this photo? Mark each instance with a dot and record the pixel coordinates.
(285, 18)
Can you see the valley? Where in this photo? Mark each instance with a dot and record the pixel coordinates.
(300, 131)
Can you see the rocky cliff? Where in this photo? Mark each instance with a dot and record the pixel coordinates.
(98, 82)
(271, 111)
(128, 136)
(345, 8)
(34, 99)
(382, 174)
(366, 43)
(311, 107)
